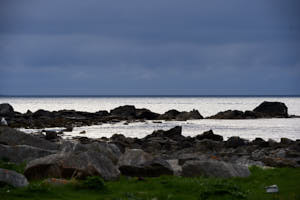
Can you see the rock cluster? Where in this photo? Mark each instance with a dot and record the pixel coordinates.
(71, 118)
(160, 153)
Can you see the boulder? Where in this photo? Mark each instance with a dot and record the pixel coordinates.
(42, 114)
(272, 109)
(260, 142)
(194, 114)
(128, 112)
(72, 165)
(234, 142)
(229, 114)
(11, 136)
(13, 178)
(6, 110)
(173, 133)
(23, 153)
(214, 168)
(210, 136)
(136, 162)
(181, 116)
(146, 114)
(169, 115)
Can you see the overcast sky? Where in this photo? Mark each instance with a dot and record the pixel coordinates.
(156, 47)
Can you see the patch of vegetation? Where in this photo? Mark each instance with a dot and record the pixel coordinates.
(170, 188)
(92, 183)
(5, 164)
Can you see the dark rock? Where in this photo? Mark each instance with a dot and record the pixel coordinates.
(260, 142)
(127, 112)
(68, 129)
(136, 162)
(209, 135)
(42, 113)
(169, 115)
(213, 168)
(146, 114)
(23, 153)
(272, 109)
(13, 178)
(51, 135)
(12, 137)
(208, 146)
(286, 141)
(173, 133)
(234, 142)
(72, 165)
(194, 114)
(229, 114)
(6, 110)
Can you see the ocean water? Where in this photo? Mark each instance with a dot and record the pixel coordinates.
(249, 129)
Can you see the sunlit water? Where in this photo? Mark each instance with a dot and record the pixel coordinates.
(249, 129)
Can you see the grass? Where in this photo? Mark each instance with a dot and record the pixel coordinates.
(168, 188)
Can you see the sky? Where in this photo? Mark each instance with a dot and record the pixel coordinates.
(157, 47)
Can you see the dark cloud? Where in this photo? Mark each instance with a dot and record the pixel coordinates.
(149, 47)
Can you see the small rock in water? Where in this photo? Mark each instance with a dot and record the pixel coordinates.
(82, 132)
(272, 189)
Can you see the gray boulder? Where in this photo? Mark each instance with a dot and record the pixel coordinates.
(13, 178)
(136, 162)
(22, 153)
(6, 110)
(214, 168)
(72, 165)
(12, 137)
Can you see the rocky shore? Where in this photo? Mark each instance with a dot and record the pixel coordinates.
(160, 153)
(72, 118)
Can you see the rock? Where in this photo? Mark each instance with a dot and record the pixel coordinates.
(23, 153)
(194, 114)
(208, 146)
(82, 132)
(146, 114)
(181, 116)
(234, 142)
(260, 142)
(272, 109)
(127, 112)
(176, 168)
(51, 135)
(272, 189)
(278, 162)
(72, 165)
(136, 162)
(42, 113)
(68, 129)
(229, 114)
(213, 168)
(13, 178)
(6, 110)
(12, 137)
(286, 141)
(210, 136)
(169, 115)
(173, 133)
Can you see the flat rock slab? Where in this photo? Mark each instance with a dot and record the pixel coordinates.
(213, 168)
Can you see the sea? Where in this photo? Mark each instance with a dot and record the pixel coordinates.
(207, 105)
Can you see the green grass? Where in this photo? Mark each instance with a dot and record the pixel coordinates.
(169, 187)
(5, 164)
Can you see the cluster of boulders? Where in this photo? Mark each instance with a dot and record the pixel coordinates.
(264, 110)
(71, 118)
(160, 153)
